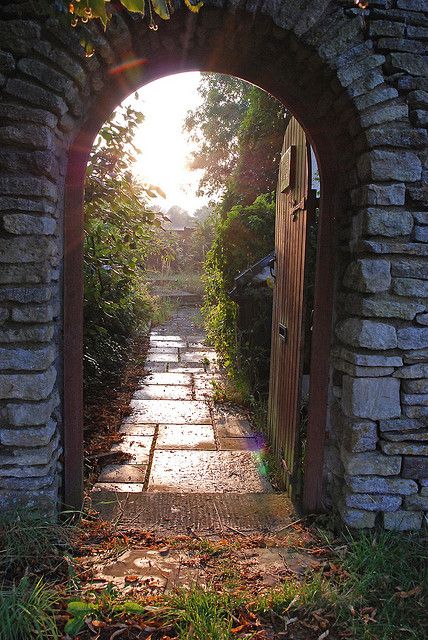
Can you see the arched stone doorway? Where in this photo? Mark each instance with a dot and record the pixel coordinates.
(318, 59)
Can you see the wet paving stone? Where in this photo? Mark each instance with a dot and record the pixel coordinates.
(165, 392)
(119, 487)
(172, 411)
(186, 367)
(206, 472)
(161, 349)
(136, 446)
(156, 367)
(123, 473)
(168, 379)
(178, 436)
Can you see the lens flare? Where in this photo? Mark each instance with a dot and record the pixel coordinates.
(127, 65)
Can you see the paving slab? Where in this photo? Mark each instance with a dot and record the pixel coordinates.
(178, 436)
(168, 379)
(161, 357)
(172, 411)
(163, 392)
(164, 338)
(119, 487)
(198, 356)
(201, 512)
(123, 473)
(240, 444)
(206, 472)
(229, 425)
(131, 426)
(156, 367)
(136, 446)
(161, 344)
(186, 367)
(161, 349)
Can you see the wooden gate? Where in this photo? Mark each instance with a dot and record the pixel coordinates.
(295, 206)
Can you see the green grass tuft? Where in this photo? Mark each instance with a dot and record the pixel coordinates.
(27, 611)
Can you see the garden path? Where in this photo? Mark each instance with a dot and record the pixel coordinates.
(190, 462)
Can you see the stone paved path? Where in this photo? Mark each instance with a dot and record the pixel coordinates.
(180, 443)
(176, 439)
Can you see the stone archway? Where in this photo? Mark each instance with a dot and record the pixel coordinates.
(345, 77)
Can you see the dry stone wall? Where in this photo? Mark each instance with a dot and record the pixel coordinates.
(358, 82)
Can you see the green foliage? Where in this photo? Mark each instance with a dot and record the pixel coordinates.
(104, 605)
(243, 235)
(27, 611)
(118, 233)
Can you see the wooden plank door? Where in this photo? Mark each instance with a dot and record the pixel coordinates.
(292, 203)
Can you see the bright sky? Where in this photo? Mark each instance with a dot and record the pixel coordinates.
(165, 148)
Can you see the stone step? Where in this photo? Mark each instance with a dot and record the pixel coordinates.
(178, 513)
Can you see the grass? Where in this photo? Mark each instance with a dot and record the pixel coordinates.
(27, 611)
(31, 542)
(201, 614)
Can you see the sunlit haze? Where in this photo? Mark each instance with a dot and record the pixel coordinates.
(165, 150)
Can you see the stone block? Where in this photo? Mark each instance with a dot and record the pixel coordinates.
(419, 435)
(29, 359)
(25, 295)
(360, 436)
(412, 338)
(403, 166)
(404, 448)
(416, 412)
(33, 313)
(379, 195)
(28, 456)
(28, 136)
(21, 223)
(381, 114)
(41, 333)
(376, 484)
(415, 467)
(396, 135)
(415, 398)
(373, 502)
(402, 521)
(20, 113)
(381, 307)
(385, 222)
(409, 268)
(367, 333)
(24, 273)
(34, 386)
(398, 424)
(30, 249)
(366, 275)
(379, 94)
(415, 386)
(410, 63)
(367, 360)
(373, 398)
(422, 318)
(410, 287)
(386, 28)
(413, 371)
(361, 372)
(29, 437)
(29, 92)
(416, 355)
(421, 234)
(370, 463)
(46, 75)
(27, 414)
(18, 35)
(416, 503)
(358, 519)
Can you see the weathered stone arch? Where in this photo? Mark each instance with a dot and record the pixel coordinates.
(350, 79)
